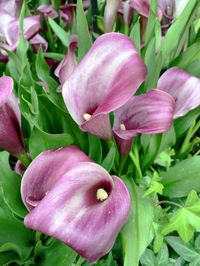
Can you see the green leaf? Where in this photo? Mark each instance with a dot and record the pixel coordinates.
(135, 34)
(148, 258)
(136, 234)
(185, 250)
(95, 148)
(10, 183)
(150, 145)
(14, 236)
(84, 39)
(56, 253)
(58, 30)
(180, 179)
(187, 219)
(109, 159)
(177, 33)
(40, 141)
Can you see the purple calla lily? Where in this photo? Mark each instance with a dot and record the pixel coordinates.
(150, 113)
(105, 79)
(110, 14)
(81, 205)
(10, 133)
(68, 64)
(184, 88)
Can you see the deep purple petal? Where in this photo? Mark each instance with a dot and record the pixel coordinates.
(184, 88)
(10, 132)
(72, 213)
(45, 170)
(149, 113)
(105, 79)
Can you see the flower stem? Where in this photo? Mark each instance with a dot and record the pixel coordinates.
(24, 158)
(170, 202)
(135, 160)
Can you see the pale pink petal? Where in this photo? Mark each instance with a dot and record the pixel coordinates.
(183, 87)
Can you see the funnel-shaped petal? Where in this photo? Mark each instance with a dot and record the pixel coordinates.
(184, 88)
(85, 209)
(149, 113)
(48, 11)
(104, 80)
(45, 170)
(68, 64)
(110, 14)
(10, 133)
(38, 42)
(143, 7)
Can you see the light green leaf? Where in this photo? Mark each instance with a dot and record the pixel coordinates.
(135, 34)
(84, 39)
(136, 234)
(185, 250)
(59, 31)
(187, 219)
(180, 179)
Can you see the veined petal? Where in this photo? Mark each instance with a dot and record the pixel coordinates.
(105, 79)
(45, 170)
(48, 11)
(85, 209)
(38, 42)
(149, 113)
(184, 88)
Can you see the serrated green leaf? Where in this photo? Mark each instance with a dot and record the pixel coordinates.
(180, 179)
(187, 219)
(59, 31)
(136, 234)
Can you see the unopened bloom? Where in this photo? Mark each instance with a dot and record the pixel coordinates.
(105, 79)
(68, 64)
(10, 132)
(75, 201)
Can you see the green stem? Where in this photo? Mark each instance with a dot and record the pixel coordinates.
(170, 202)
(192, 130)
(136, 163)
(24, 158)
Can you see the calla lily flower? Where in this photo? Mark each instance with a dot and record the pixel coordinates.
(184, 88)
(9, 29)
(10, 132)
(105, 79)
(143, 7)
(38, 42)
(78, 203)
(110, 14)
(48, 11)
(68, 64)
(150, 113)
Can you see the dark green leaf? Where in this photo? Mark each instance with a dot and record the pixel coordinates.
(95, 148)
(109, 159)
